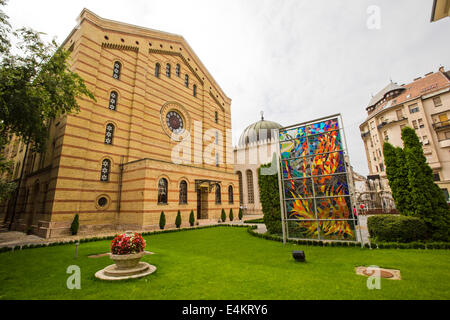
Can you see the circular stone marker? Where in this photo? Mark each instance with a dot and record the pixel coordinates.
(382, 273)
(111, 272)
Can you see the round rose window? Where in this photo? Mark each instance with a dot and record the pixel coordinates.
(174, 122)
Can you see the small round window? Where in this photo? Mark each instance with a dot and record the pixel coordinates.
(102, 202)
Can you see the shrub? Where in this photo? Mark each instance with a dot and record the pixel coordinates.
(240, 214)
(223, 216)
(270, 200)
(178, 219)
(231, 214)
(191, 218)
(396, 228)
(75, 225)
(162, 220)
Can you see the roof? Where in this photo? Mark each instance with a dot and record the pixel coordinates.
(380, 95)
(253, 132)
(419, 87)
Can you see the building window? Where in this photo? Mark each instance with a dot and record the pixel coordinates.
(415, 124)
(168, 70)
(194, 90)
(218, 194)
(421, 125)
(162, 191)
(116, 71)
(216, 117)
(446, 195)
(241, 191)
(177, 70)
(109, 134)
(183, 192)
(413, 108)
(437, 101)
(381, 167)
(250, 190)
(157, 68)
(106, 167)
(230, 195)
(436, 177)
(102, 202)
(186, 81)
(399, 114)
(425, 140)
(113, 100)
(386, 137)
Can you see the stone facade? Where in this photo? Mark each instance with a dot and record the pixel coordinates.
(106, 162)
(424, 105)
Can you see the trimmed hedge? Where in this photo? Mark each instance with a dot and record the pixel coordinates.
(396, 228)
(269, 197)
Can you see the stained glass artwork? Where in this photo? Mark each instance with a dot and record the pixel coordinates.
(112, 100)
(315, 182)
(106, 165)
(116, 71)
(109, 133)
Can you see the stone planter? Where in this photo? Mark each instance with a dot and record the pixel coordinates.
(127, 261)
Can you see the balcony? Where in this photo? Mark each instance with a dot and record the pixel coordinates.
(365, 134)
(444, 143)
(441, 125)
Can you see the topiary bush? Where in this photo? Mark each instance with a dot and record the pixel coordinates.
(162, 220)
(396, 228)
(75, 225)
(240, 214)
(178, 219)
(231, 214)
(191, 218)
(270, 200)
(223, 216)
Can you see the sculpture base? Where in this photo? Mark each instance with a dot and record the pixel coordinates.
(112, 272)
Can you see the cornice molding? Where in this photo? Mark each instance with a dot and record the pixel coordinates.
(119, 47)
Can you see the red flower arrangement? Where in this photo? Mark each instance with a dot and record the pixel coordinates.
(127, 244)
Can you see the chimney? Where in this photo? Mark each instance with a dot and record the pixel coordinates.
(441, 69)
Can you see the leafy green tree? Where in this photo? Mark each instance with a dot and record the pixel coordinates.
(178, 219)
(162, 220)
(427, 200)
(36, 86)
(191, 218)
(270, 200)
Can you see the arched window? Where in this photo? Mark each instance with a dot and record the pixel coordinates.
(216, 117)
(230, 195)
(113, 100)
(241, 192)
(218, 194)
(177, 70)
(186, 81)
(251, 196)
(194, 90)
(157, 67)
(162, 191)
(106, 167)
(168, 70)
(116, 71)
(109, 134)
(183, 192)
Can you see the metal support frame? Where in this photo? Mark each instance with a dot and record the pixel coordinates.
(284, 219)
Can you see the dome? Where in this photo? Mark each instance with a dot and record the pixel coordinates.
(258, 131)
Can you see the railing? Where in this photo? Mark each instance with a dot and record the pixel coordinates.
(441, 125)
(366, 212)
(365, 134)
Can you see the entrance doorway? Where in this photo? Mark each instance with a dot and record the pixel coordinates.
(202, 202)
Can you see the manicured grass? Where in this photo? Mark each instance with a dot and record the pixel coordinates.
(226, 263)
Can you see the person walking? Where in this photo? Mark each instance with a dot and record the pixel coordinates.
(355, 215)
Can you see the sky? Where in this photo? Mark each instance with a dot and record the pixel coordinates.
(296, 60)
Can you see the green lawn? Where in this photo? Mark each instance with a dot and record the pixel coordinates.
(226, 263)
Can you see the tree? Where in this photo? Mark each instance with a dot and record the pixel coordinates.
(240, 214)
(270, 200)
(427, 200)
(36, 86)
(397, 175)
(162, 220)
(231, 214)
(178, 219)
(75, 225)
